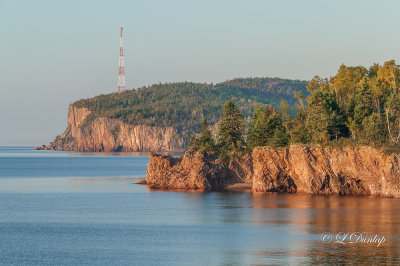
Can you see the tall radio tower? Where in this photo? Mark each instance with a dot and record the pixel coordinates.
(121, 69)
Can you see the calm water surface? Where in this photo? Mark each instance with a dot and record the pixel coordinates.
(59, 208)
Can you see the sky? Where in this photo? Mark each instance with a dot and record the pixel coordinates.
(53, 53)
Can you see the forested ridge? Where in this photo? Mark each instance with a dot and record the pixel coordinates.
(184, 105)
(357, 106)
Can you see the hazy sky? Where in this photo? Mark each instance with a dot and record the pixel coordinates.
(55, 52)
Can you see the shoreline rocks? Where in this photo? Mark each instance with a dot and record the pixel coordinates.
(294, 169)
(196, 171)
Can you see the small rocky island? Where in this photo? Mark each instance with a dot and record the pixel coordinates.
(294, 169)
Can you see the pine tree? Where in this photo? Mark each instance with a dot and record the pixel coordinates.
(268, 129)
(275, 131)
(280, 138)
(363, 104)
(256, 136)
(204, 142)
(374, 129)
(325, 120)
(231, 127)
(256, 132)
(299, 132)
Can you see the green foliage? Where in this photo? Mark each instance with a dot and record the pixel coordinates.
(346, 82)
(184, 105)
(356, 106)
(231, 129)
(204, 142)
(325, 121)
(364, 102)
(358, 109)
(374, 130)
(257, 132)
(389, 75)
(392, 114)
(298, 130)
(280, 138)
(267, 128)
(273, 89)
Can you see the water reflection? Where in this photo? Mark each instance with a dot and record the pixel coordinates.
(208, 228)
(29, 151)
(74, 210)
(293, 224)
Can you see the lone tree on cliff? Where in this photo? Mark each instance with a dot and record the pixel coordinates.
(204, 142)
(231, 128)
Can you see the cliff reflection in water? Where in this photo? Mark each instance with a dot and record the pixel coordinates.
(289, 226)
(85, 210)
(315, 215)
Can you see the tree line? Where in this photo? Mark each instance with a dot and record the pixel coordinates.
(356, 106)
(184, 105)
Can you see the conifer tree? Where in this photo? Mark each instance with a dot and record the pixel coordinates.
(204, 142)
(325, 120)
(256, 134)
(280, 138)
(267, 130)
(363, 104)
(231, 127)
(374, 130)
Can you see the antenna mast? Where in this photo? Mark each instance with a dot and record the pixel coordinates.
(121, 69)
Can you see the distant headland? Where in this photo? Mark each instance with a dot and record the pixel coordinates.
(163, 117)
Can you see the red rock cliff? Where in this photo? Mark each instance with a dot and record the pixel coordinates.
(195, 171)
(347, 171)
(85, 133)
(296, 169)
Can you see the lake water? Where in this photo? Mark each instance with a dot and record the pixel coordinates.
(61, 208)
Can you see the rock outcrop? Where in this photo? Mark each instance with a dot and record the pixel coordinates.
(195, 171)
(86, 133)
(347, 171)
(295, 169)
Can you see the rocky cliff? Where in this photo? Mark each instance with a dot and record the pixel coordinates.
(296, 169)
(196, 171)
(347, 171)
(89, 133)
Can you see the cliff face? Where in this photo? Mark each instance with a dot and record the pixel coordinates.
(194, 171)
(85, 133)
(347, 171)
(296, 169)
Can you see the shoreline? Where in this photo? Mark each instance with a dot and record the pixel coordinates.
(294, 169)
